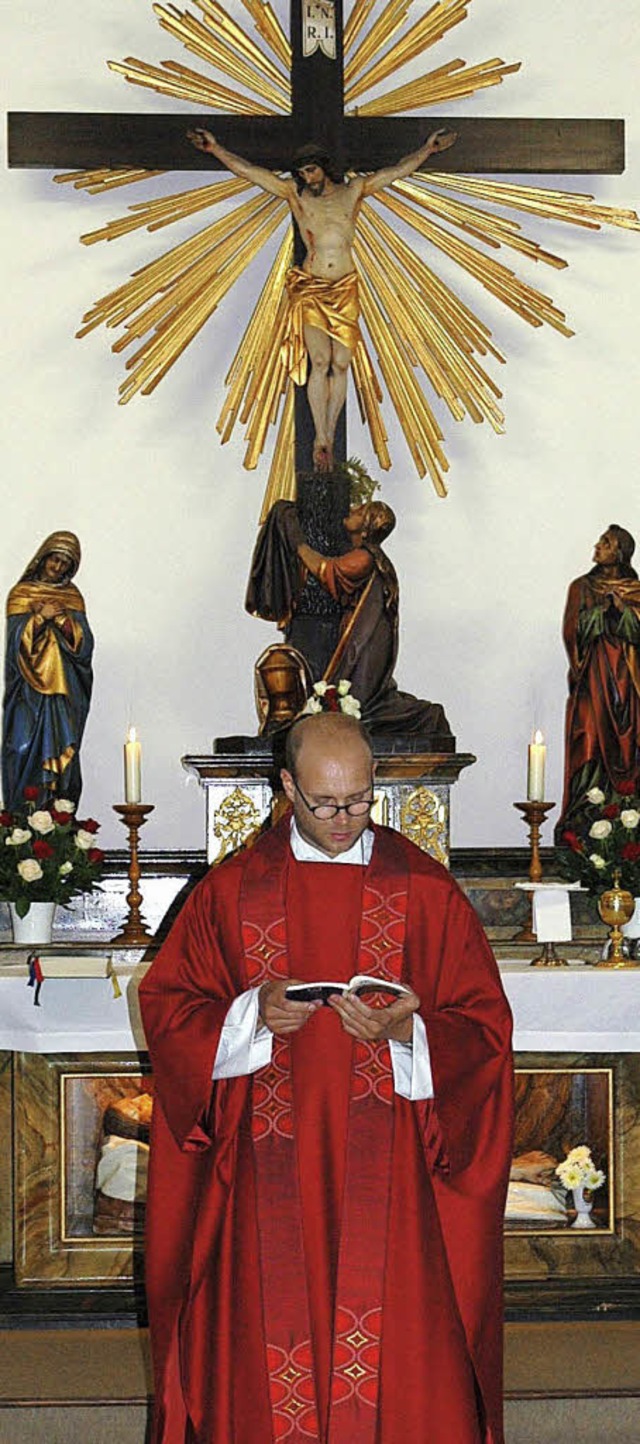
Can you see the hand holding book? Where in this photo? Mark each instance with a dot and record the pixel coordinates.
(391, 1020)
(287, 1004)
(392, 1023)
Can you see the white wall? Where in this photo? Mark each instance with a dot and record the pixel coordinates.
(167, 518)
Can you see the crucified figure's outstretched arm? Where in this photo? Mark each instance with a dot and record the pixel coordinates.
(258, 175)
(439, 140)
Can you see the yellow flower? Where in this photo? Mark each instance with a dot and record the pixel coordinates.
(570, 1174)
(579, 1155)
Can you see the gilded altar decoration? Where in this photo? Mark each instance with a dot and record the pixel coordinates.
(236, 824)
(418, 337)
(422, 820)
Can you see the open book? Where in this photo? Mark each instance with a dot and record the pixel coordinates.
(359, 984)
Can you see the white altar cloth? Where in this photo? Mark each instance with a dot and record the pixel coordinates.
(76, 1015)
(578, 1009)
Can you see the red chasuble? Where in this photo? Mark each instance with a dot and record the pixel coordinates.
(324, 1257)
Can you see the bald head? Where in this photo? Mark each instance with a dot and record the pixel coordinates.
(327, 731)
(329, 761)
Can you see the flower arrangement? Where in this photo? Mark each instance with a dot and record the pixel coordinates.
(578, 1170)
(46, 854)
(327, 697)
(608, 843)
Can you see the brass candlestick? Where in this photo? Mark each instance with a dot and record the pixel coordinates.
(549, 958)
(135, 932)
(534, 814)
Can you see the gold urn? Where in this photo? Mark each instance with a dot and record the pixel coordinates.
(616, 907)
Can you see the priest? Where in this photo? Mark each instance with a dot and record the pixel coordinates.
(327, 1183)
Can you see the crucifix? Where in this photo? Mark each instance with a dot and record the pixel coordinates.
(358, 142)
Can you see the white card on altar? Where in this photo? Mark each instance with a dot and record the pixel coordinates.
(552, 915)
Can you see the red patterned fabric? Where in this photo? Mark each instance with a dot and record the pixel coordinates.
(323, 1256)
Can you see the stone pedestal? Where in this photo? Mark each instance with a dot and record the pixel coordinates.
(240, 782)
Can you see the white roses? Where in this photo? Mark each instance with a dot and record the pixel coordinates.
(332, 697)
(350, 706)
(84, 840)
(601, 828)
(596, 796)
(630, 818)
(18, 837)
(41, 822)
(30, 870)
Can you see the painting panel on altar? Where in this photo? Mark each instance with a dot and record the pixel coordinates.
(75, 1227)
(105, 1122)
(559, 1110)
(80, 1144)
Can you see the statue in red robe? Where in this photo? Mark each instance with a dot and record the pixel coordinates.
(602, 637)
(324, 1256)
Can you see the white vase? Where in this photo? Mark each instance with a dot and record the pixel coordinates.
(583, 1209)
(37, 927)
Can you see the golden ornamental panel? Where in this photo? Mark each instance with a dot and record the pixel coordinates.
(236, 823)
(423, 821)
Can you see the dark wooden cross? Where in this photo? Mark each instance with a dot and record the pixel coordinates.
(154, 142)
(81, 142)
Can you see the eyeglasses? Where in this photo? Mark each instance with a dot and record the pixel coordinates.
(326, 810)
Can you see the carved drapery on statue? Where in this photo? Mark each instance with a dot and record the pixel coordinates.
(602, 637)
(330, 306)
(48, 676)
(364, 586)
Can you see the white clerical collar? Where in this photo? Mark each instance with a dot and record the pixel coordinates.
(304, 851)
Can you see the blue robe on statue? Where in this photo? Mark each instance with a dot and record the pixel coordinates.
(48, 680)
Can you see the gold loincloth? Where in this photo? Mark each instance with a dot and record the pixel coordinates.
(331, 306)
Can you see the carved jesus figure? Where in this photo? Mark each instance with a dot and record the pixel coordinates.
(323, 328)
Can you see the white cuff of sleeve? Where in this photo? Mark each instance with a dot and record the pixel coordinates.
(244, 1044)
(411, 1064)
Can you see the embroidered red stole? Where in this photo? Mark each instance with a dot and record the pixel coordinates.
(322, 1128)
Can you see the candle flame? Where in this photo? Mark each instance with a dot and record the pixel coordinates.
(132, 735)
(538, 736)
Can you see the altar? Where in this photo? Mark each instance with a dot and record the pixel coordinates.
(78, 1059)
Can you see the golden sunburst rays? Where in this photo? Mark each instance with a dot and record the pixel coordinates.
(222, 44)
(418, 324)
(173, 296)
(153, 215)
(453, 81)
(421, 334)
(94, 182)
(571, 206)
(167, 302)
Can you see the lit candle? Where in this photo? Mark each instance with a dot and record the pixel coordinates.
(535, 769)
(132, 768)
